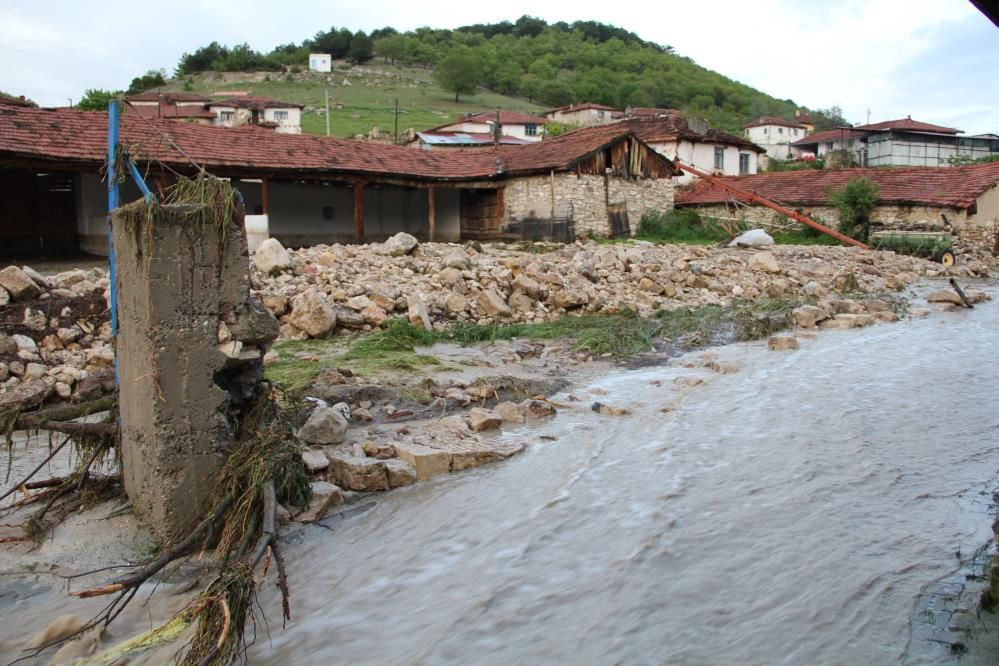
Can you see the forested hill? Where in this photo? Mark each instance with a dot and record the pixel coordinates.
(549, 64)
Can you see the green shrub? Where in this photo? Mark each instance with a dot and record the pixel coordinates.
(855, 202)
(679, 226)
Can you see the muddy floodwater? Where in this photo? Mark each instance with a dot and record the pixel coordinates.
(830, 505)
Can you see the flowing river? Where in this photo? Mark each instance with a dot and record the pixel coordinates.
(820, 506)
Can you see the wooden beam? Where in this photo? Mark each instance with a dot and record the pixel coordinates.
(432, 215)
(359, 211)
(265, 195)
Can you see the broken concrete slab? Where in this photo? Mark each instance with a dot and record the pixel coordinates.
(357, 473)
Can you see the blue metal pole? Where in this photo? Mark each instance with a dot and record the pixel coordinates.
(114, 199)
(137, 177)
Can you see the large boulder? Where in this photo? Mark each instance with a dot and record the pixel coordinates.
(492, 304)
(764, 261)
(752, 238)
(324, 497)
(417, 313)
(357, 473)
(399, 245)
(324, 426)
(312, 313)
(271, 257)
(18, 284)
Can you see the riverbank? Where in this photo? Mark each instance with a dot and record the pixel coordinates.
(448, 381)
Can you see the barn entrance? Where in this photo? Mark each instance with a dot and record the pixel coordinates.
(38, 214)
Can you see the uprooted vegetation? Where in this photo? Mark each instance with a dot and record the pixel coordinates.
(402, 348)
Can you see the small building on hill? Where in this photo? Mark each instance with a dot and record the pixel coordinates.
(439, 139)
(961, 200)
(846, 140)
(320, 62)
(306, 189)
(908, 142)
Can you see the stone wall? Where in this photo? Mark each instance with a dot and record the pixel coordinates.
(588, 196)
(189, 356)
(978, 231)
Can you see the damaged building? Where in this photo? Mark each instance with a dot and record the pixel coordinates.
(305, 190)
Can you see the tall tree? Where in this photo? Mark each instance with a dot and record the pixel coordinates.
(362, 49)
(459, 72)
(95, 99)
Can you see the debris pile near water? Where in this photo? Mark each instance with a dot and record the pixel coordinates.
(321, 289)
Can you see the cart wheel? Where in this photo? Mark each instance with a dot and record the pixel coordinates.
(945, 257)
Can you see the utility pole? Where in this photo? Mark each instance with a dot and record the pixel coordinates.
(395, 139)
(327, 111)
(868, 115)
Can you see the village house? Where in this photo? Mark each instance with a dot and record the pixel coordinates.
(960, 200)
(902, 142)
(305, 190)
(840, 139)
(516, 124)
(691, 141)
(283, 117)
(584, 115)
(173, 105)
(775, 135)
(908, 142)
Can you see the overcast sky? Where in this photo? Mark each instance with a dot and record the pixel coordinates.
(936, 60)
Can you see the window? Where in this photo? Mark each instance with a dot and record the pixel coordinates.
(719, 157)
(315, 63)
(743, 163)
(531, 130)
(328, 213)
(227, 115)
(280, 115)
(766, 130)
(780, 130)
(829, 145)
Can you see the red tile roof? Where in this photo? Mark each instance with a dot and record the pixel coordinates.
(173, 97)
(956, 187)
(838, 134)
(669, 128)
(14, 101)
(506, 118)
(581, 107)
(908, 124)
(71, 138)
(773, 120)
(251, 102)
(167, 110)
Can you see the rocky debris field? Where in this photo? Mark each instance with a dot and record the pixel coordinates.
(55, 337)
(318, 290)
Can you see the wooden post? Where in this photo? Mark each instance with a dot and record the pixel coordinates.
(359, 211)
(432, 215)
(265, 196)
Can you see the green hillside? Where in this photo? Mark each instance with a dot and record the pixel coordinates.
(525, 65)
(367, 100)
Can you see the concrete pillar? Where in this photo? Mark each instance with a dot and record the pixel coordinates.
(190, 350)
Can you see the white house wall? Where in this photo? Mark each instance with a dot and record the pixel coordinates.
(702, 156)
(92, 211)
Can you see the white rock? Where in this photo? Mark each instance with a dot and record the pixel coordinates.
(24, 343)
(315, 461)
(764, 261)
(399, 245)
(18, 284)
(752, 238)
(271, 257)
(324, 426)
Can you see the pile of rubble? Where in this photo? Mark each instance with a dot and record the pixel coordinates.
(55, 337)
(317, 290)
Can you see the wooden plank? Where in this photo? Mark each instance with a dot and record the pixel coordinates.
(265, 195)
(359, 211)
(432, 214)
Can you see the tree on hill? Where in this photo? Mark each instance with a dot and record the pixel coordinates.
(460, 73)
(827, 119)
(362, 49)
(148, 81)
(96, 99)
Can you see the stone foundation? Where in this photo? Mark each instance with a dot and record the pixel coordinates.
(588, 197)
